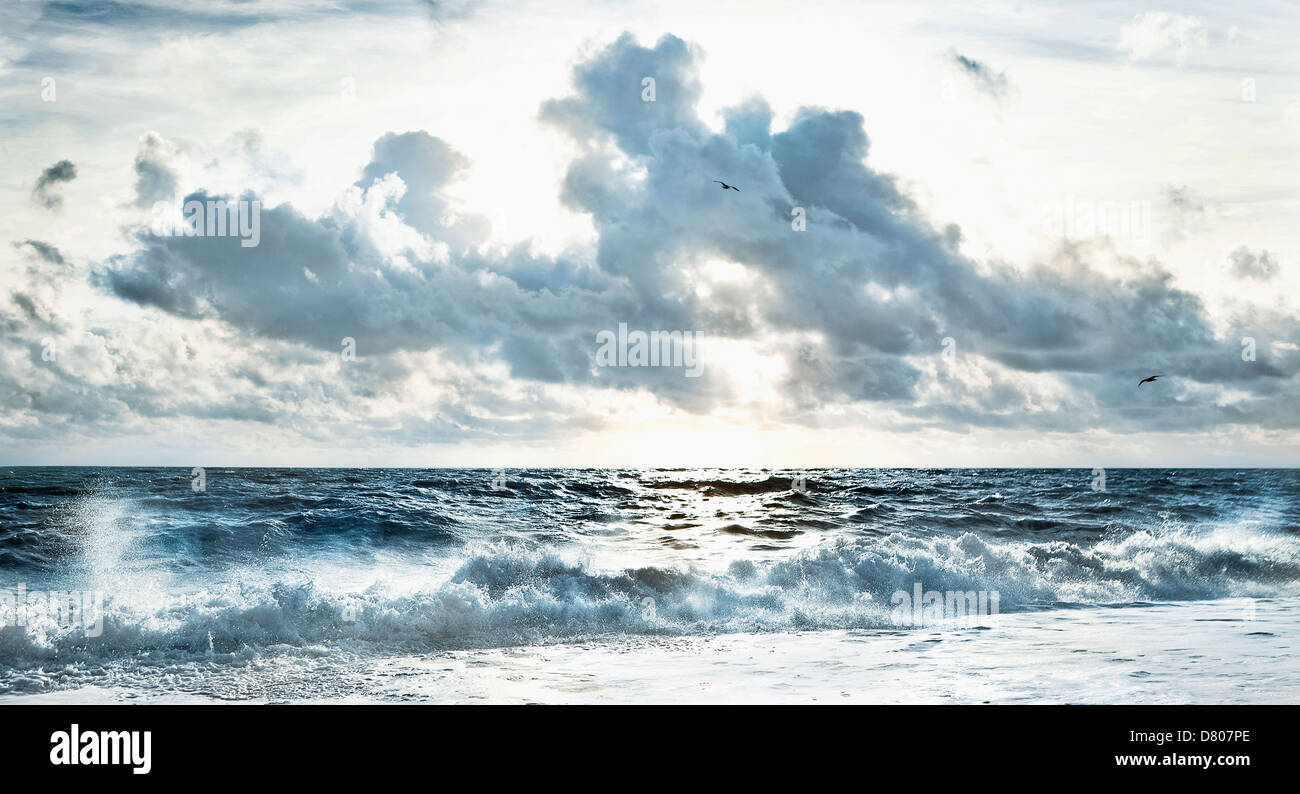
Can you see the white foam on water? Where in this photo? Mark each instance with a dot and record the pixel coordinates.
(500, 595)
(1188, 652)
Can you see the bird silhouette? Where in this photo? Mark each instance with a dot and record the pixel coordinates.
(725, 186)
(1151, 379)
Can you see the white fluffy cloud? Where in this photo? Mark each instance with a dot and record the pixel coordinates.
(1158, 33)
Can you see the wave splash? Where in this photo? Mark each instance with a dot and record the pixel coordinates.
(505, 594)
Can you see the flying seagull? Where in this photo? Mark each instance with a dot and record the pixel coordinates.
(1151, 379)
(725, 186)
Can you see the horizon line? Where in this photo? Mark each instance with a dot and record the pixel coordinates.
(597, 468)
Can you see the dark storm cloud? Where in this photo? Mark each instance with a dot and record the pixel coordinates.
(317, 281)
(45, 192)
(616, 79)
(986, 79)
(139, 16)
(150, 279)
(217, 15)
(46, 31)
(45, 251)
(852, 305)
(425, 165)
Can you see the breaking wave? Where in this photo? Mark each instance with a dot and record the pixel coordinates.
(506, 594)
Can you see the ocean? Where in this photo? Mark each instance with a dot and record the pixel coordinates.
(649, 585)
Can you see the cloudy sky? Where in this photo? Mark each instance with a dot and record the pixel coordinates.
(962, 235)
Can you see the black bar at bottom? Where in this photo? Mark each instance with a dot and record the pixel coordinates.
(298, 744)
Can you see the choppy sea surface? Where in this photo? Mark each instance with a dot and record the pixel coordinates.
(1170, 585)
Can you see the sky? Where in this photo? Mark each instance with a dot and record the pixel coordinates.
(962, 233)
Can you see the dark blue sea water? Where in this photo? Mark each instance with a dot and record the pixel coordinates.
(368, 563)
